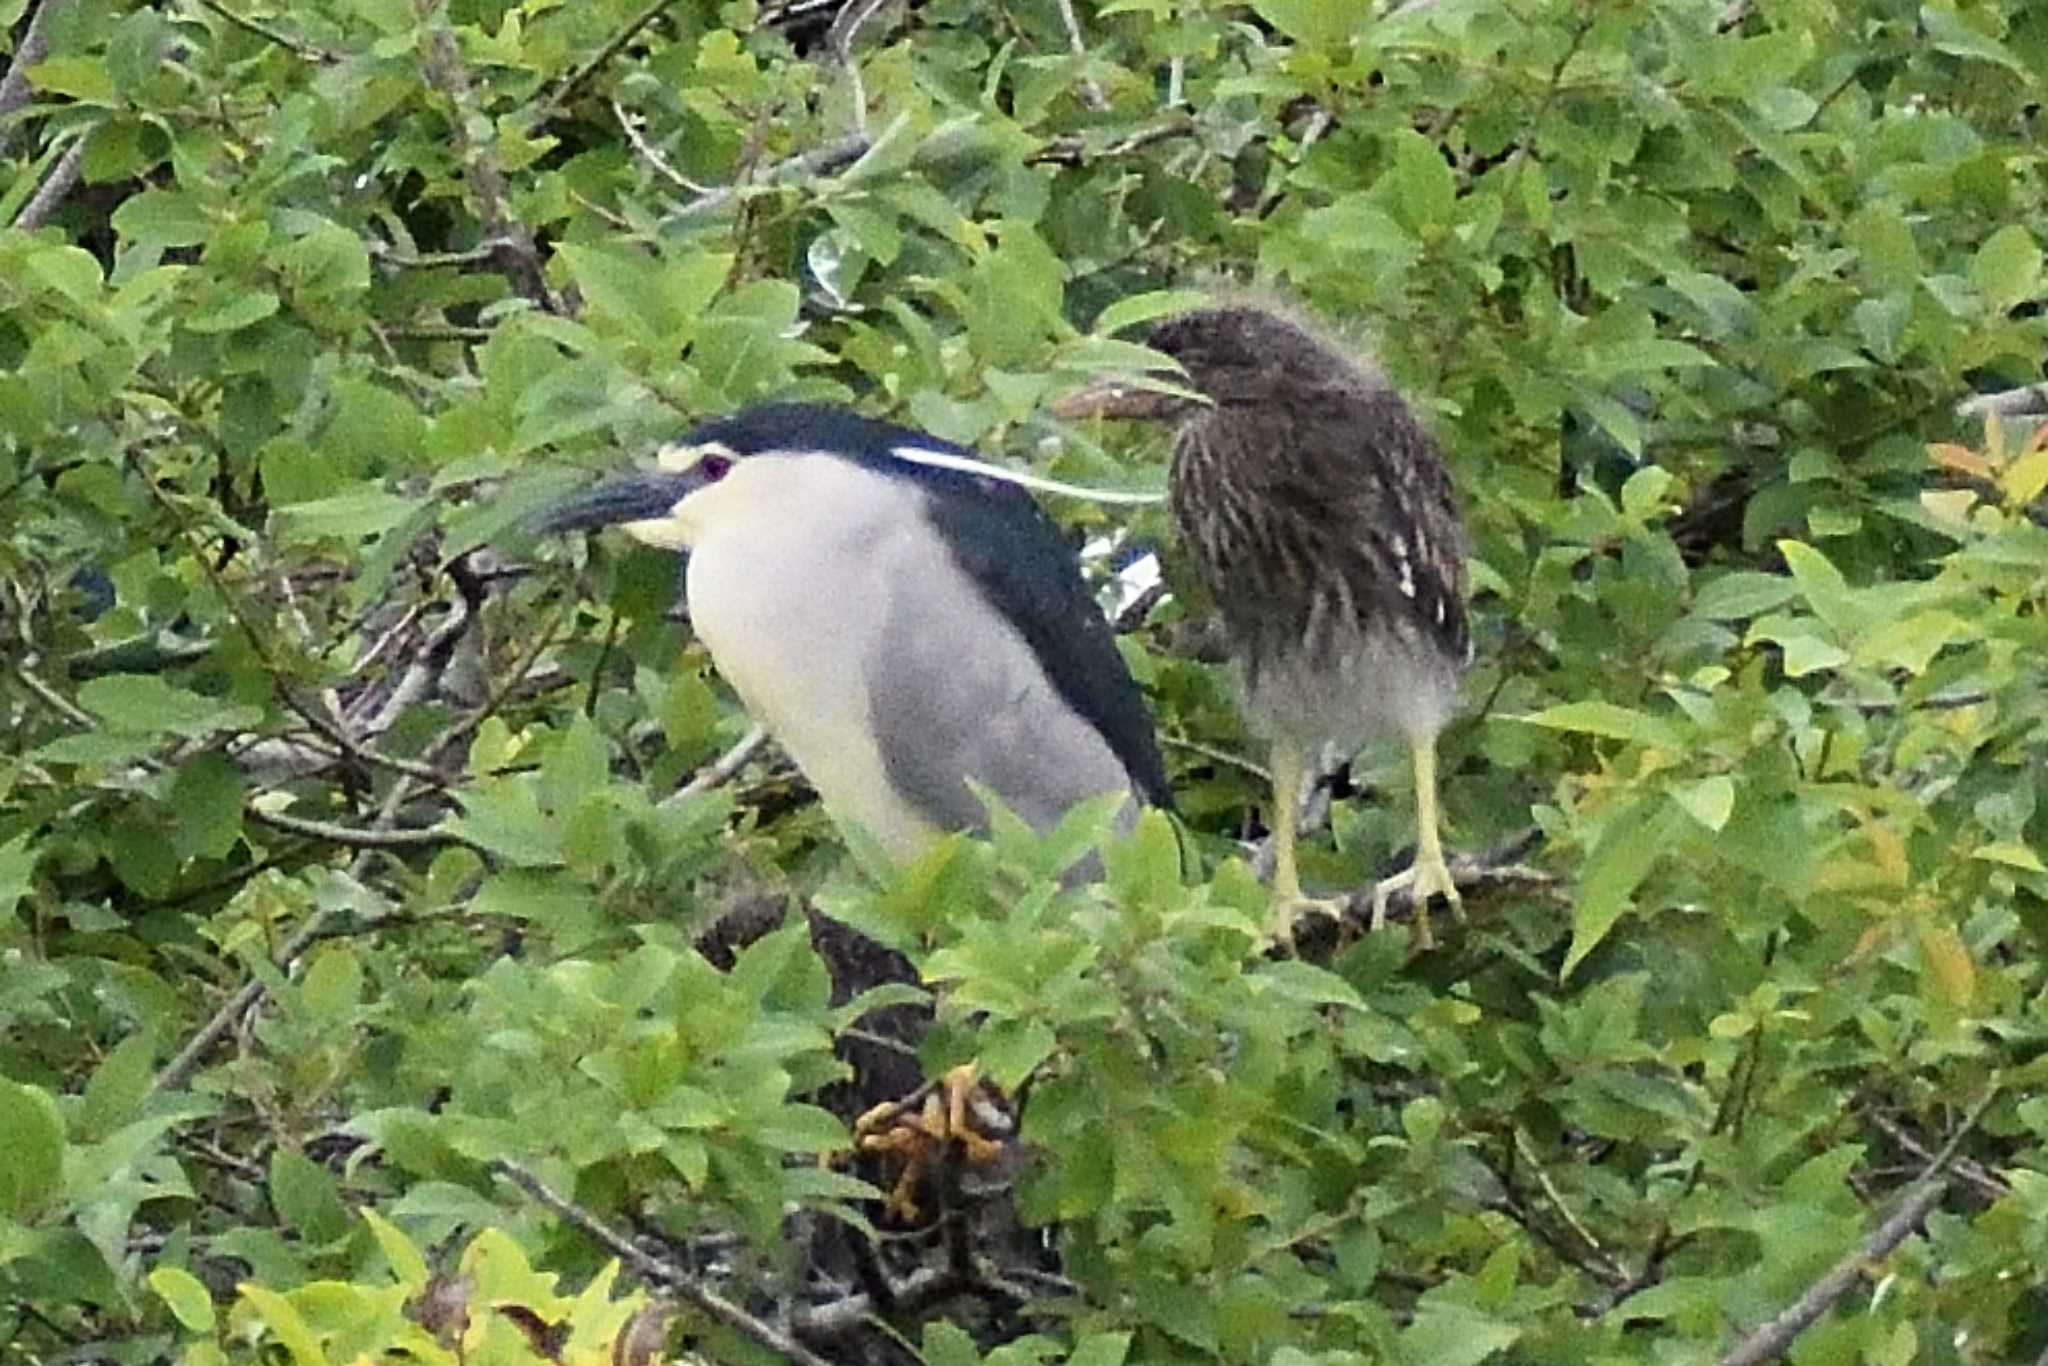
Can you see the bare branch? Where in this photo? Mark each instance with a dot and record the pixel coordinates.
(1770, 1341)
(685, 1285)
(2025, 401)
(357, 838)
(724, 770)
(654, 158)
(63, 177)
(35, 45)
(517, 255)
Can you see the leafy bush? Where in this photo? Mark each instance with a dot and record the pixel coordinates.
(402, 923)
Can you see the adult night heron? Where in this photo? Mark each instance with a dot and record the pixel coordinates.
(1316, 510)
(902, 617)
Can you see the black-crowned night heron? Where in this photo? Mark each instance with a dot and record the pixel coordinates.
(1316, 510)
(904, 619)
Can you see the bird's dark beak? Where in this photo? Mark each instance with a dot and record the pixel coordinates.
(1112, 398)
(634, 498)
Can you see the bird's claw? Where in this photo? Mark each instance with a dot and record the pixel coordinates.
(957, 1108)
(1424, 879)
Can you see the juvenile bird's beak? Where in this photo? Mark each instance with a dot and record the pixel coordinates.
(1113, 398)
(633, 498)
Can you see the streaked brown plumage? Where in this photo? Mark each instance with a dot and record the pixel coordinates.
(1315, 508)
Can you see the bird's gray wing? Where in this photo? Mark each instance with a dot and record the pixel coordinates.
(993, 664)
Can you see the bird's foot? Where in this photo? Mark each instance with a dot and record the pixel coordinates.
(958, 1108)
(1424, 879)
(1289, 908)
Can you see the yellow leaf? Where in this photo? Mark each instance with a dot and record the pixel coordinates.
(1887, 851)
(2024, 479)
(1950, 505)
(1949, 961)
(284, 1321)
(1961, 459)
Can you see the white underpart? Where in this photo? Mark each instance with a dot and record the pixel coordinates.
(953, 460)
(800, 569)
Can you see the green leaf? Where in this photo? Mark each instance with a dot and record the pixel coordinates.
(1827, 592)
(162, 218)
(1305, 982)
(207, 794)
(1446, 1333)
(17, 872)
(1009, 1050)
(403, 1256)
(332, 988)
(346, 516)
(287, 1323)
(303, 1193)
(1629, 848)
(144, 703)
(1316, 23)
(237, 310)
(799, 1129)
(187, 1299)
(1951, 33)
(1609, 719)
(1743, 593)
(1133, 309)
(1709, 801)
(32, 1136)
(71, 271)
(118, 1087)
(2007, 269)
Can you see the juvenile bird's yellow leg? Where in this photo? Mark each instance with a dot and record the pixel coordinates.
(1288, 902)
(1428, 875)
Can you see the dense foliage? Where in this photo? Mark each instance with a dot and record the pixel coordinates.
(367, 867)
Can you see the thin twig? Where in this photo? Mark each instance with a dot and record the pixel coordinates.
(558, 94)
(724, 769)
(1603, 1264)
(1771, 1340)
(268, 34)
(685, 1285)
(357, 838)
(652, 157)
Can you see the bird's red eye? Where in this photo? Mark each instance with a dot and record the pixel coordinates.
(715, 467)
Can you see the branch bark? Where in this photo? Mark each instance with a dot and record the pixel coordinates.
(35, 45)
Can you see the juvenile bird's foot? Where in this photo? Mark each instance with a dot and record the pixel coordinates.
(958, 1108)
(1289, 908)
(1425, 878)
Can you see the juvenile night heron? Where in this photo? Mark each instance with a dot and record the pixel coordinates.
(900, 616)
(1316, 510)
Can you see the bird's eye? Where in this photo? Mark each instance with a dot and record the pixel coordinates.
(715, 467)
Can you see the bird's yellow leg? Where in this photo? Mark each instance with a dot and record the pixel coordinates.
(1429, 875)
(1288, 765)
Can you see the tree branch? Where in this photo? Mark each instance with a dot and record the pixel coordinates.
(2026, 400)
(516, 253)
(35, 45)
(63, 177)
(1770, 1340)
(675, 1278)
(558, 94)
